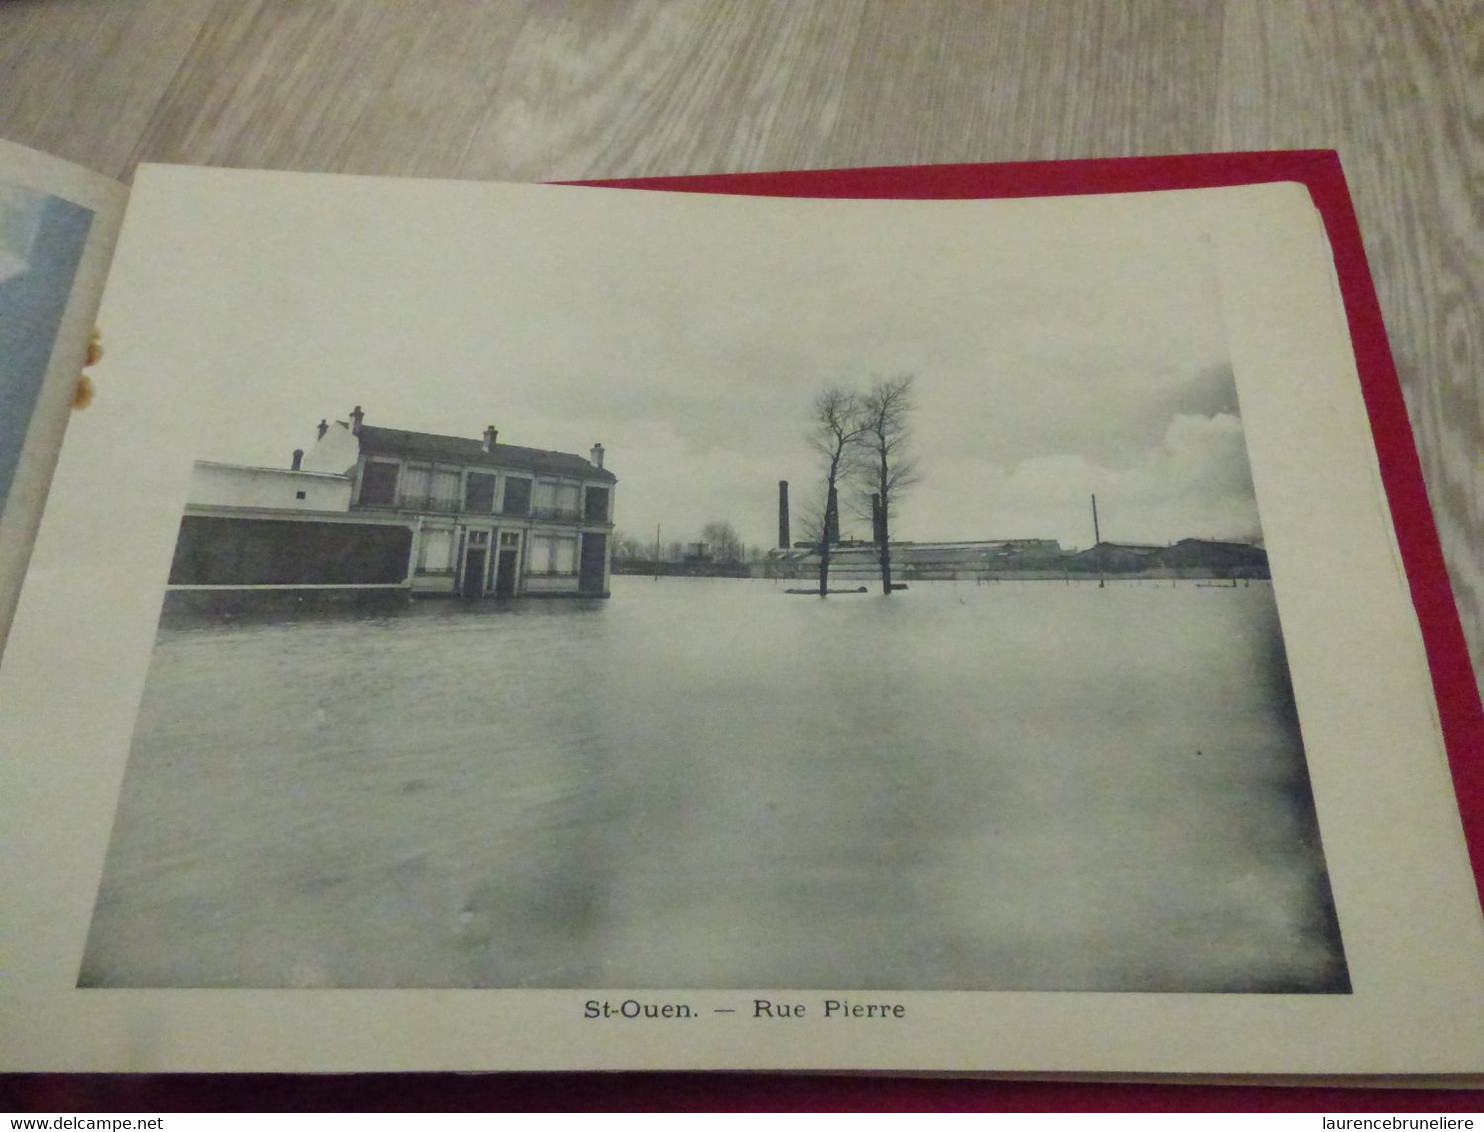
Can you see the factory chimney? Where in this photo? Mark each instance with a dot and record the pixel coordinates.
(783, 539)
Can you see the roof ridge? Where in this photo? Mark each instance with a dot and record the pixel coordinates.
(463, 439)
(472, 450)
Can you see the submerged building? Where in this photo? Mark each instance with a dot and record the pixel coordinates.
(371, 508)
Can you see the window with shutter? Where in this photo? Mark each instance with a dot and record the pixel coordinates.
(595, 505)
(378, 484)
(517, 497)
(479, 492)
(444, 495)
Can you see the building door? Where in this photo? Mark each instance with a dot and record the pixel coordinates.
(474, 572)
(506, 563)
(590, 570)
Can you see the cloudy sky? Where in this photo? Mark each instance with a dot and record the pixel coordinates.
(689, 335)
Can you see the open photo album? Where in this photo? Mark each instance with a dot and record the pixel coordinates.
(982, 619)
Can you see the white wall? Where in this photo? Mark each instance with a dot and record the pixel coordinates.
(234, 485)
(336, 451)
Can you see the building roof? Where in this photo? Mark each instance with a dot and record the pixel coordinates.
(1125, 547)
(462, 450)
(1224, 544)
(299, 472)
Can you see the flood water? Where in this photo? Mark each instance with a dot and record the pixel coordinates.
(709, 783)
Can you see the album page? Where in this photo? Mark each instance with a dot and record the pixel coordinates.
(528, 627)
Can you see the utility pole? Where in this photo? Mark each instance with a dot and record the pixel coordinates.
(1097, 540)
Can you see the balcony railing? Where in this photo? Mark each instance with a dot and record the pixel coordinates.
(457, 507)
(429, 503)
(562, 514)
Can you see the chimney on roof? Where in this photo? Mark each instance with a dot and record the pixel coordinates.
(298, 459)
(595, 457)
(356, 416)
(324, 427)
(490, 434)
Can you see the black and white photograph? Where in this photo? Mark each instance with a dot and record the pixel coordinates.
(709, 594)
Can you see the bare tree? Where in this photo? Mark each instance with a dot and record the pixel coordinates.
(626, 548)
(723, 541)
(887, 469)
(809, 527)
(836, 428)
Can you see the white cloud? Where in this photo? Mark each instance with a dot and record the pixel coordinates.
(1195, 483)
(689, 336)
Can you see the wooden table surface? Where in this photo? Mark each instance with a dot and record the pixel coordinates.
(545, 90)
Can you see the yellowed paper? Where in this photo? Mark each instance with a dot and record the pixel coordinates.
(616, 879)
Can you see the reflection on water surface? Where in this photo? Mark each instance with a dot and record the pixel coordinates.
(707, 783)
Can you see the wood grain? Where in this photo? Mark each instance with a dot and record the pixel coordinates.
(537, 90)
(83, 80)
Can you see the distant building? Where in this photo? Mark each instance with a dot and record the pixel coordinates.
(855, 559)
(1229, 559)
(1190, 557)
(380, 508)
(1117, 558)
(1027, 558)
